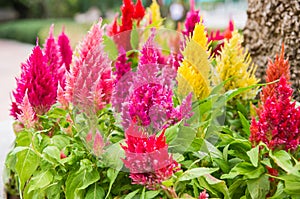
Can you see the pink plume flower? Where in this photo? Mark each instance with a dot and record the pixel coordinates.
(192, 18)
(65, 49)
(27, 117)
(279, 124)
(90, 82)
(147, 158)
(203, 195)
(54, 59)
(122, 65)
(36, 78)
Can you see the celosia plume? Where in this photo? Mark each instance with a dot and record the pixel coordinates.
(54, 59)
(90, 82)
(37, 80)
(155, 13)
(27, 117)
(234, 63)
(192, 18)
(278, 123)
(194, 71)
(65, 49)
(147, 158)
(280, 67)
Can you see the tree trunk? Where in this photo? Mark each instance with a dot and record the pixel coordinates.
(271, 23)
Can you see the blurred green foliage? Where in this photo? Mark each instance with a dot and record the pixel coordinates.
(28, 30)
(57, 8)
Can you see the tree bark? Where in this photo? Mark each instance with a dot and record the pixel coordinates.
(271, 23)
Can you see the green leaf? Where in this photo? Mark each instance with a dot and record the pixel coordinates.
(196, 172)
(23, 138)
(132, 194)
(80, 180)
(60, 141)
(292, 183)
(40, 180)
(183, 140)
(245, 123)
(279, 194)
(218, 185)
(151, 194)
(246, 169)
(143, 193)
(113, 156)
(26, 164)
(283, 160)
(171, 133)
(112, 175)
(134, 39)
(253, 155)
(95, 191)
(51, 154)
(237, 188)
(259, 188)
(110, 48)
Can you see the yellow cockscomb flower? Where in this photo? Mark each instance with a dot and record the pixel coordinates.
(194, 72)
(234, 63)
(155, 13)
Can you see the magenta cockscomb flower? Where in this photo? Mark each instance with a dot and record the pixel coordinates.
(279, 124)
(122, 65)
(37, 80)
(203, 195)
(192, 18)
(147, 158)
(54, 59)
(90, 82)
(65, 49)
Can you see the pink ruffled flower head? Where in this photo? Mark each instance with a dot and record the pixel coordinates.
(203, 195)
(90, 82)
(147, 158)
(192, 18)
(279, 120)
(37, 80)
(65, 49)
(122, 65)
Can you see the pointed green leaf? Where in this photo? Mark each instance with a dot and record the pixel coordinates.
(132, 194)
(196, 172)
(253, 155)
(259, 188)
(40, 180)
(110, 48)
(95, 192)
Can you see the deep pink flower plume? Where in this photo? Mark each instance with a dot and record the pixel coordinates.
(192, 18)
(279, 120)
(65, 49)
(147, 158)
(90, 82)
(37, 80)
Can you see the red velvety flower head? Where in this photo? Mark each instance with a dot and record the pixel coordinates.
(37, 80)
(279, 120)
(147, 158)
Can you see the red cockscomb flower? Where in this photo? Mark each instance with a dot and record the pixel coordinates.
(147, 158)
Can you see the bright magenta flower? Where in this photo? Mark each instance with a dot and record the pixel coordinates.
(147, 158)
(37, 80)
(90, 82)
(54, 59)
(65, 49)
(192, 18)
(279, 124)
(203, 195)
(122, 65)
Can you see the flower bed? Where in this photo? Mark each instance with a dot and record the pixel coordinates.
(139, 111)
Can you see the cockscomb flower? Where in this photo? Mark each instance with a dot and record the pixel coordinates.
(147, 158)
(278, 123)
(203, 195)
(27, 117)
(280, 67)
(122, 65)
(234, 63)
(90, 82)
(155, 16)
(192, 18)
(65, 49)
(54, 59)
(37, 80)
(194, 71)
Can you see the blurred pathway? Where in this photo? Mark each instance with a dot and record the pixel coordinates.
(11, 55)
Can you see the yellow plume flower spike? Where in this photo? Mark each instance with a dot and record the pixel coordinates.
(234, 63)
(199, 35)
(155, 13)
(194, 72)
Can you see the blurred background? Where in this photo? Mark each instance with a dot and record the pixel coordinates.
(24, 20)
